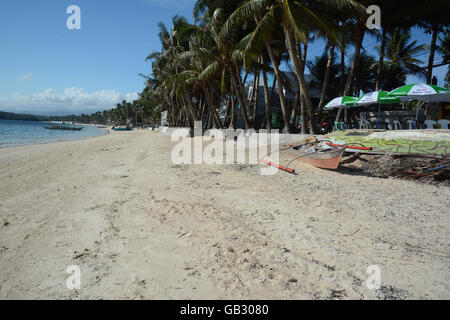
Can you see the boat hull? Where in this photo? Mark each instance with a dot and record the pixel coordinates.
(63, 128)
(328, 159)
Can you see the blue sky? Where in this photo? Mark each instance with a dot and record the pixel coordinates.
(47, 68)
(41, 58)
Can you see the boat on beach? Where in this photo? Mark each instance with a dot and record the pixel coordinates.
(318, 156)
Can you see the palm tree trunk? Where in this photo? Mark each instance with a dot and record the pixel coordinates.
(242, 100)
(212, 110)
(381, 60)
(326, 81)
(233, 113)
(302, 99)
(255, 101)
(358, 45)
(241, 87)
(191, 107)
(208, 121)
(295, 107)
(286, 128)
(301, 80)
(303, 111)
(203, 109)
(342, 77)
(267, 102)
(432, 53)
(227, 112)
(254, 96)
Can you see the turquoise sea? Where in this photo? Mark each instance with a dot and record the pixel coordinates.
(20, 132)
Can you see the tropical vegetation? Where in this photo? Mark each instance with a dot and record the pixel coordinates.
(205, 69)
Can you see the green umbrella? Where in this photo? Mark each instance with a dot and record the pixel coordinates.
(340, 102)
(377, 97)
(422, 92)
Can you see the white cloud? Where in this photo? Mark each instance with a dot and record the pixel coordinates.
(72, 100)
(25, 77)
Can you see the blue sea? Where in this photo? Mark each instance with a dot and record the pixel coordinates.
(20, 132)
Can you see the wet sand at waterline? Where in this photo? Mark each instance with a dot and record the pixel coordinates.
(139, 226)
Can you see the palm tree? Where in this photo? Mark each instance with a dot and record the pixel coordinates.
(296, 18)
(365, 74)
(400, 53)
(324, 71)
(393, 15)
(433, 19)
(444, 49)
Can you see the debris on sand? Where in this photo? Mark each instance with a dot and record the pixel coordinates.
(429, 170)
(391, 293)
(337, 294)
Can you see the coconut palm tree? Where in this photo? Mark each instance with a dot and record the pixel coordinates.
(295, 19)
(444, 49)
(365, 74)
(325, 77)
(433, 19)
(401, 59)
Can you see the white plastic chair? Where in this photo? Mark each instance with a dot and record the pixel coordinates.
(430, 124)
(364, 124)
(410, 124)
(397, 125)
(389, 124)
(444, 123)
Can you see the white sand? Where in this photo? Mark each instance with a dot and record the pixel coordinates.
(139, 226)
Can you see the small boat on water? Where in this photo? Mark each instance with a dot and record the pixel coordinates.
(327, 157)
(62, 127)
(122, 129)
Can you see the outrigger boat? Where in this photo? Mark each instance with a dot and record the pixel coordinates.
(319, 156)
(122, 129)
(60, 127)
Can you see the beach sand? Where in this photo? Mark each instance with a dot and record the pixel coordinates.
(139, 226)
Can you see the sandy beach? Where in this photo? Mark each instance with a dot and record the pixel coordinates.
(141, 227)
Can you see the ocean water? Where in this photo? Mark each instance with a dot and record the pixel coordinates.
(19, 132)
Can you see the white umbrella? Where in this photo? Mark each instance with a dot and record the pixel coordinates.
(377, 97)
(340, 102)
(422, 92)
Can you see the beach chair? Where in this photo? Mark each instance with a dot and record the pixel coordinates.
(388, 124)
(364, 124)
(444, 123)
(336, 126)
(397, 125)
(430, 124)
(411, 125)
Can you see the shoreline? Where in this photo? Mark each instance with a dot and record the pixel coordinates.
(140, 227)
(105, 131)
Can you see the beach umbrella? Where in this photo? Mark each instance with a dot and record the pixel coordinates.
(340, 102)
(422, 92)
(377, 97)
